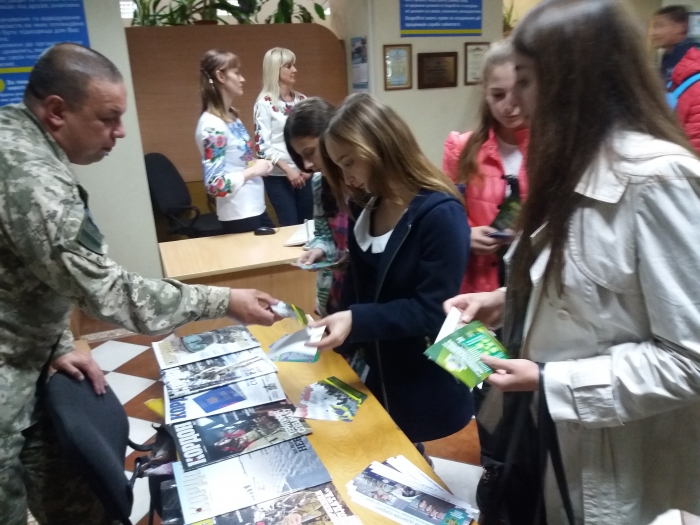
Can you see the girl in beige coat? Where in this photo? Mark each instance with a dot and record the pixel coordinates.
(607, 269)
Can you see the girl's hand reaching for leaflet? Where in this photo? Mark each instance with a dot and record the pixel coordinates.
(338, 326)
(486, 307)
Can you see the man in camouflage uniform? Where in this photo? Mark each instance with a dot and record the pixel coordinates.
(52, 256)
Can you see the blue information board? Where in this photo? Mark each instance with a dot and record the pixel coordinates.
(441, 17)
(27, 28)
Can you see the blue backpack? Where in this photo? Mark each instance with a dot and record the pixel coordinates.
(672, 97)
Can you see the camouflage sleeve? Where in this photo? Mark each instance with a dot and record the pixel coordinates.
(46, 220)
(65, 345)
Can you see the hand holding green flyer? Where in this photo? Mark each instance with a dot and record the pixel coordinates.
(460, 353)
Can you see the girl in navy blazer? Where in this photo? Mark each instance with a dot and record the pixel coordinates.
(408, 241)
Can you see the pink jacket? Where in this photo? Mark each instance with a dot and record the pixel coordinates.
(483, 197)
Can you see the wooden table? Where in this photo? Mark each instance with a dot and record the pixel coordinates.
(243, 260)
(346, 449)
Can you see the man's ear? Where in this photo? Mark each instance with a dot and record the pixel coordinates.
(54, 112)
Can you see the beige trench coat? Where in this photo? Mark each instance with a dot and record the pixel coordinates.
(621, 346)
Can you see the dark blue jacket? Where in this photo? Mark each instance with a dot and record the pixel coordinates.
(422, 266)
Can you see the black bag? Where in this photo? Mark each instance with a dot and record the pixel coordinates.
(511, 490)
(514, 455)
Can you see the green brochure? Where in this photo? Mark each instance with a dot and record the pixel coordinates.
(460, 353)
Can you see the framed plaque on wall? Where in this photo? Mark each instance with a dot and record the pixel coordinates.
(437, 70)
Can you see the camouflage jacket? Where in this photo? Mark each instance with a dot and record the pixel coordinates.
(52, 257)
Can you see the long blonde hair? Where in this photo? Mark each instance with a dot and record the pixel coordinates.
(275, 59)
(500, 53)
(213, 61)
(377, 135)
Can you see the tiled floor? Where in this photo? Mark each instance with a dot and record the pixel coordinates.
(132, 372)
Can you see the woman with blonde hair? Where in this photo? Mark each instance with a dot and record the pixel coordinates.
(490, 161)
(287, 187)
(408, 241)
(231, 172)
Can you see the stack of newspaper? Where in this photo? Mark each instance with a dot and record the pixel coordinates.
(400, 491)
(214, 373)
(243, 452)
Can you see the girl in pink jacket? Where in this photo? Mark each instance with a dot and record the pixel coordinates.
(491, 162)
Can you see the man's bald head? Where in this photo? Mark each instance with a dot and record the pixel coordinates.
(67, 70)
(79, 97)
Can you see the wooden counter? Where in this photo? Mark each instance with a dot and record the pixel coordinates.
(243, 260)
(346, 449)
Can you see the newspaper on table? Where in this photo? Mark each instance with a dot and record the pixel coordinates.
(244, 394)
(320, 505)
(204, 375)
(177, 351)
(211, 439)
(330, 399)
(406, 497)
(248, 480)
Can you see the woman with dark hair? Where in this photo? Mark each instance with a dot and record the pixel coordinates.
(231, 172)
(603, 288)
(302, 132)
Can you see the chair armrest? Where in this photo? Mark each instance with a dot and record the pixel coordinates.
(177, 219)
(140, 448)
(139, 464)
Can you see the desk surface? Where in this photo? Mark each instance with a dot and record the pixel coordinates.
(205, 256)
(346, 449)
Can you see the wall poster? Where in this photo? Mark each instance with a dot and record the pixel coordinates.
(441, 18)
(27, 28)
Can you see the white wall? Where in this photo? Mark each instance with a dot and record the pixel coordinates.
(119, 197)
(431, 113)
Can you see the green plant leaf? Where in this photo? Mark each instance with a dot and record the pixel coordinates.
(304, 15)
(285, 10)
(320, 12)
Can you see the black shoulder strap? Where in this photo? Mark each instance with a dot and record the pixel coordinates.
(549, 442)
(44, 375)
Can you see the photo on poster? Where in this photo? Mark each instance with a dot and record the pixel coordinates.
(207, 440)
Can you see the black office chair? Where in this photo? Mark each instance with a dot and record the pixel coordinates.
(170, 197)
(93, 430)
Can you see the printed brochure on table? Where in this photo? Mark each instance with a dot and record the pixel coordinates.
(176, 351)
(250, 479)
(204, 375)
(210, 439)
(244, 394)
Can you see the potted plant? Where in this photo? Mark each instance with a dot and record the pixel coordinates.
(508, 18)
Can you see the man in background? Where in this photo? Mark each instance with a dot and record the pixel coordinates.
(680, 62)
(669, 32)
(52, 258)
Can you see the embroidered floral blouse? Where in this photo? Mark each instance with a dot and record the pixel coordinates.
(270, 118)
(226, 152)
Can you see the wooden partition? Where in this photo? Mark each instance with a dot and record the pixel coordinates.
(165, 70)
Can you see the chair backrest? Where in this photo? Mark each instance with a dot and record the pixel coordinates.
(93, 431)
(168, 189)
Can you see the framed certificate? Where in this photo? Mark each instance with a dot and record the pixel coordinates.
(474, 55)
(437, 70)
(398, 70)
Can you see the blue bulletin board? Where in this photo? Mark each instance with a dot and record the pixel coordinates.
(441, 18)
(27, 28)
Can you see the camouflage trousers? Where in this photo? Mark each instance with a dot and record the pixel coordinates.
(34, 473)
